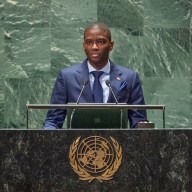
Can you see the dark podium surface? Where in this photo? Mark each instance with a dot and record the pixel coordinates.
(152, 160)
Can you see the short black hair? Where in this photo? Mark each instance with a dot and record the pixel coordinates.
(99, 24)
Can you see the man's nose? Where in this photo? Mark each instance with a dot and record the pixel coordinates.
(94, 46)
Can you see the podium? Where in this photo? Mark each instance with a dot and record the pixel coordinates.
(96, 106)
(142, 160)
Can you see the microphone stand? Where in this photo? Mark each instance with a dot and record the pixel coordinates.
(73, 111)
(108, 83)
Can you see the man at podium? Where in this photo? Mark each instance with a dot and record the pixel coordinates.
(96, 80)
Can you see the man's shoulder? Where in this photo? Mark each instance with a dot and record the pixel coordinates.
(69, 68)
(72, 68)
(123, 69)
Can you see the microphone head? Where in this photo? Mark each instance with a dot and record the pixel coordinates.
(108, 83)
(85, 81)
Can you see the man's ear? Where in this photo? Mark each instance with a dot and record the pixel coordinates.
(83, 45)
(111, 45)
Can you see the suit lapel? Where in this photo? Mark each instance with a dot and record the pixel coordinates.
(115, 79)
(82, 74)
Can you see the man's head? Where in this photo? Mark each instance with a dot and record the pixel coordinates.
(97, 44)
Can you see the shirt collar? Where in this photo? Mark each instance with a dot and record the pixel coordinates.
(105, 69)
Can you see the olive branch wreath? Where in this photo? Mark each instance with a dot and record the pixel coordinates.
(84, 175)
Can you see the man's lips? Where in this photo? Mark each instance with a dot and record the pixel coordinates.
(95, 55)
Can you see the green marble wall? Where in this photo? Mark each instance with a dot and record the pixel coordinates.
(39, 37)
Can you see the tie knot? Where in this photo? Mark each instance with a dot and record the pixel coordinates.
(97, 74)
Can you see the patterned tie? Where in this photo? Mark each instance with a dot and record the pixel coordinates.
(97, 89)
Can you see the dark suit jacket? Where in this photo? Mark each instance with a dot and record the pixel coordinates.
(124, 82)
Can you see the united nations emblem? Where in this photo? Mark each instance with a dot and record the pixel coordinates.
(95, 158)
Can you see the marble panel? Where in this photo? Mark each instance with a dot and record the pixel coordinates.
(174, 93)
(167, 14)
(127, 49)
(27, 52)
(191, 72)
(27, 13)
(167, 52)
(2, 55)
(66, 47)
(2, 62)
(152, 160)
(127, 15)
(2, 3)
(19, 92)
(73, 12)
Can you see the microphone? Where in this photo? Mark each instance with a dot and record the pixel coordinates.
(77, 102)
(84, 84)
(108, 83)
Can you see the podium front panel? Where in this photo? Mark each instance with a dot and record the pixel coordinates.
(96, 160)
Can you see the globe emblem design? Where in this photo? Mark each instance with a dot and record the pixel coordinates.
(95, 154)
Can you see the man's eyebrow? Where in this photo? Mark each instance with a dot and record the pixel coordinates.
(89, 38)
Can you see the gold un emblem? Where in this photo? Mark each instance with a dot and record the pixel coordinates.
(95, 158)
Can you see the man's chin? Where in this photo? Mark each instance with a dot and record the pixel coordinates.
(94, 61)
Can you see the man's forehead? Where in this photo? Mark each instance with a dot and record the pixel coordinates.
(96, 31)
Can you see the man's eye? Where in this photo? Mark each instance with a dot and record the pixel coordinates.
(101, 41)
(88, 42)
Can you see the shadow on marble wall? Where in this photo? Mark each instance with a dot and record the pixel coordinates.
(37, 38)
